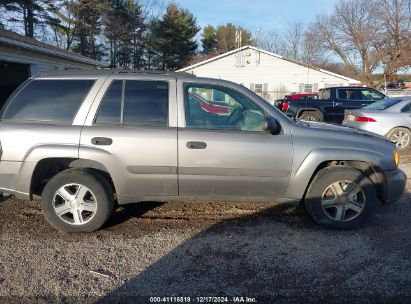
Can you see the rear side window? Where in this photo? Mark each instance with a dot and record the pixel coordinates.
(110, 107)
(146, 103)
(406, 109)
(382, 104)
(135, 102)
(48, 100)
(324, 94)
(347, 94)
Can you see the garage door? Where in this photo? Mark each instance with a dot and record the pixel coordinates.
(12, 74)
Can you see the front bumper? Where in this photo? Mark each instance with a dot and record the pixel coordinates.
(394, 184)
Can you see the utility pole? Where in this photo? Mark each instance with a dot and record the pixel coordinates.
(239, 54)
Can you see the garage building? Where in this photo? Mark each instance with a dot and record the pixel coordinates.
(22, 57)
(270, 75)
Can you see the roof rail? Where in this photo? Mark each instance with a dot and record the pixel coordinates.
(105, 71)
(171, 73)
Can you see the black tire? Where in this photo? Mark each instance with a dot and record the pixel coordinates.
(102, 198)
(310, 116)
(392, 135)
(332, 175)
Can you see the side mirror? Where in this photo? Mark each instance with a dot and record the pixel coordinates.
(271, 125)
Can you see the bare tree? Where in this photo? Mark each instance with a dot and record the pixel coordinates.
(294, 39)
(270, 40)
(396, 36)
(352, 33)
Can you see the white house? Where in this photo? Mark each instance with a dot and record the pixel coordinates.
(268, 74)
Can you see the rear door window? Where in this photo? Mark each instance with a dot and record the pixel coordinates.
(347, 94)
(48, 100)
(324, 94)
(110, 107)
(135, 102)
(146, 103)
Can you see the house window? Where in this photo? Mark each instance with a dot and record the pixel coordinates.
(259, 88)
(308, 88)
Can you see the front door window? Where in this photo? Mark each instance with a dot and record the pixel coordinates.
(221, 108)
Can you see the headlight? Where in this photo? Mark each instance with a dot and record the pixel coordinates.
(396, 158)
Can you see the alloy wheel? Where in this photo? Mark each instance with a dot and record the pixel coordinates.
(400, 138)
(343, 201)
(74, 204)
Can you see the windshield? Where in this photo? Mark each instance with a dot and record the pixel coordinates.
(382, 104)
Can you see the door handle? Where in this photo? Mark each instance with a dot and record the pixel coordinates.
(196, 145)
(101, 141)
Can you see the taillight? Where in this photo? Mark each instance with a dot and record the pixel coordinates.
(284, 107)
(364, 119)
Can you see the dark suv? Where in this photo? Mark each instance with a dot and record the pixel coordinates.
(332, 102)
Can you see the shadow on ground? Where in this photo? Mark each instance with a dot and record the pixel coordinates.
(279, 255)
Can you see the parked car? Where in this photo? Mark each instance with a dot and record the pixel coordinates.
(282, 104)
(332, 102)
(215, 107)
(389, 117)
(86, 141)
(394, 86)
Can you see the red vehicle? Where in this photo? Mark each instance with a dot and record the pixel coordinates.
(283, 103)
(215, 107)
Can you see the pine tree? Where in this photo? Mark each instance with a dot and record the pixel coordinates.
(172, 38)
(226, 37)
(209, 39)
(28, 12)
(88, 18)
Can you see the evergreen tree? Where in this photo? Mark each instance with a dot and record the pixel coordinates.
(124, 27)
(172, 38)
(88, 18)
(209, 39)
(137, 28)
(62, 21)
(28, 12)
(226, 37)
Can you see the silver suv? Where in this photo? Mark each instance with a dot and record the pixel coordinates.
(85, 141)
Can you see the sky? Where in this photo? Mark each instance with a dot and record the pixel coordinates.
(253, 14)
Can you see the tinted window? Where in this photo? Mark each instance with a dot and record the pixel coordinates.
(406, 109)
(324, 94)
(224, 109)
(347, 94)
(110, 107)
(146, 103)
(48, 100)
(382, 104)
(365, 94)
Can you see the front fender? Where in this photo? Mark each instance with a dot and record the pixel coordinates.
(303, 172)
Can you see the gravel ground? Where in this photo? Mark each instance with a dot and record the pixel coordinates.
(270, 253)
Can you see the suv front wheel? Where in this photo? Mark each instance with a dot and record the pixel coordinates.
(341, 197)
(77, 201)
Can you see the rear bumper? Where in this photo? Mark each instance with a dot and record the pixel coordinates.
(394, 184)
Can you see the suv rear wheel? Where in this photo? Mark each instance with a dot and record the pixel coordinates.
(341, 197)
(77, 201)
